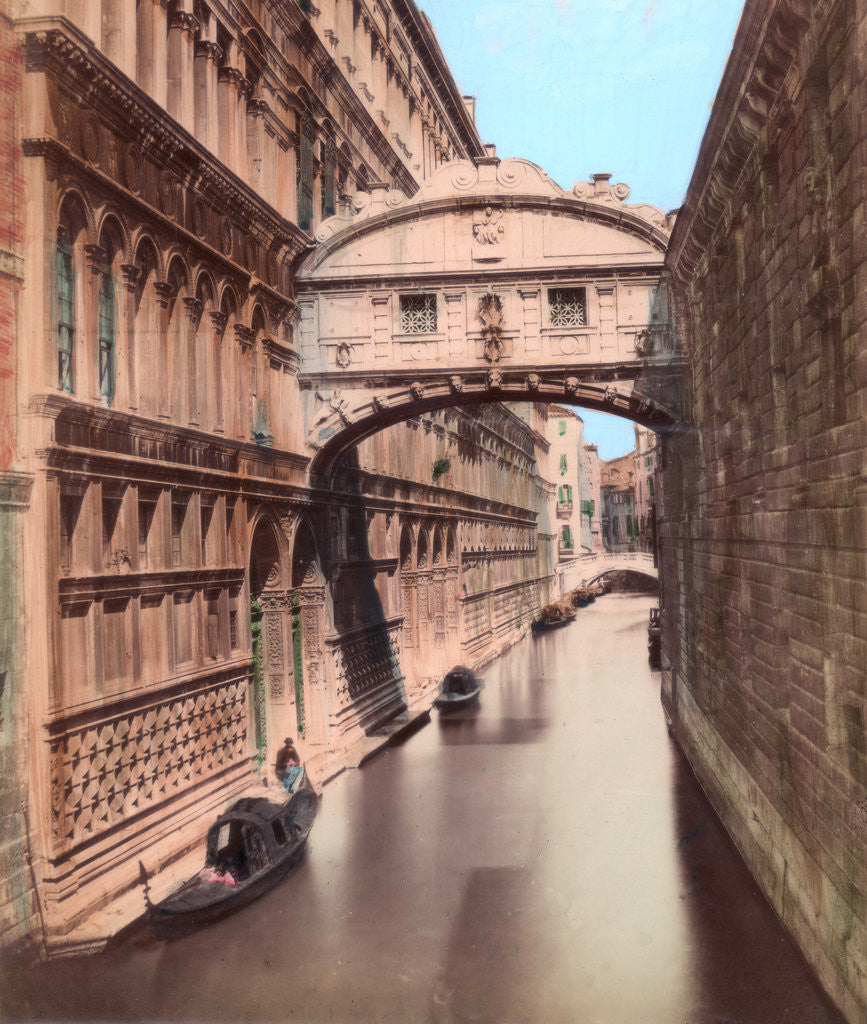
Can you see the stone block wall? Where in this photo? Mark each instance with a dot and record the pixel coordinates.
(764, 515)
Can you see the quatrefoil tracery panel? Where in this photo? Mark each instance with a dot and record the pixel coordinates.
(104, 773)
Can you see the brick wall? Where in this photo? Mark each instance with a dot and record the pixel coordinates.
(764, 513)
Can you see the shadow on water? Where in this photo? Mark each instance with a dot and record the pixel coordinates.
(746, 968)
(464, 727)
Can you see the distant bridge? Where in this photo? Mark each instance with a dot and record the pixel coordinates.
(594, 567)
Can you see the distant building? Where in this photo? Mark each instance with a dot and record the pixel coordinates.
(591, 499)
(565, 461)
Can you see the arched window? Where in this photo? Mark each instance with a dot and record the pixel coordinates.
(146, 329)
(230, 362)
(65, 290)
(68, 298)
(107, 331)
(306, 171)
(328, 157)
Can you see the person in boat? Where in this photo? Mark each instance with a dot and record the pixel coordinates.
(288, 766)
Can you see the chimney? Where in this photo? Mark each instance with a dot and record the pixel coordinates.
(470, 105)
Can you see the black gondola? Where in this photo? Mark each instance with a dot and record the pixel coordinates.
(459, 689)
(553, 616)
(250, 848)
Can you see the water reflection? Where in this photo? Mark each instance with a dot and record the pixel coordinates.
(544, 856)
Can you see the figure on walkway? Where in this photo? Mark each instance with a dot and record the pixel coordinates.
(288, 765)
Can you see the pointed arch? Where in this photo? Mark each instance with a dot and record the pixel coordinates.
(69, 297)
(406, 548)
(438, 547)
(422, 546)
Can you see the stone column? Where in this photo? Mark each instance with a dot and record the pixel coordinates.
(193, 308)
(165, 294)
(205, 94)
(179, 67)
(311, 604)
(151, 48)
(218, 324)
(231, 86)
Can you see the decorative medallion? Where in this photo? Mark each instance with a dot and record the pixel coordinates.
(168, 195)
(226, 236)
(91, 138)
(199, 217)
(132, 169)
(64, 119)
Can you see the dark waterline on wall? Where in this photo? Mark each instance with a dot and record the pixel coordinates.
(545, 856)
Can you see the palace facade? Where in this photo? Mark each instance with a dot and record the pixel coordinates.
(180, 592)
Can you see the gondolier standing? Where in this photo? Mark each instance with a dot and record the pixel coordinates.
(288, 765)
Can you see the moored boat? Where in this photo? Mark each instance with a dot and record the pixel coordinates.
(250, 847)
(459, 689)
(553, 616)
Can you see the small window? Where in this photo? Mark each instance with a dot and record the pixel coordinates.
(70, 507)
(562, 426)
(563, 466)
(111, 504)
(567, 307)
(418, 314)
(180, 502)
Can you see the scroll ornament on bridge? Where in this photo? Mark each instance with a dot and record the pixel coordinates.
(329, 403)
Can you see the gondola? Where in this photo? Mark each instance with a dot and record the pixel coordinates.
(553, 616)
(459, 689)
(250, 847)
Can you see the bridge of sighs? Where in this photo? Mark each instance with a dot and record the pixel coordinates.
(492, 283)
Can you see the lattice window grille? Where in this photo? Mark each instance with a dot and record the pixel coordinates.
(568, 307)
(418, 314)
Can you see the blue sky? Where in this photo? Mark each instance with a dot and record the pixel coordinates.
(581, 86)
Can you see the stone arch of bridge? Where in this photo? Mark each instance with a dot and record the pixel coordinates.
(491, 284)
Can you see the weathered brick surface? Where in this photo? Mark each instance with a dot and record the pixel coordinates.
(764, 508)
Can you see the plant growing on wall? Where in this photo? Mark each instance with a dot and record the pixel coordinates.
(440, 467)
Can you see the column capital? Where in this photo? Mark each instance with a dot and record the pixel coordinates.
(209, 51)
(218, 321)
(165, 292)
(96, 257)
(131, 274)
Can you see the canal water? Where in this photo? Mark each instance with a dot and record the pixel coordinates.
(544, 857)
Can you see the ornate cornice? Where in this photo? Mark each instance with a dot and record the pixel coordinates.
(750, 97)
(55, 46)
